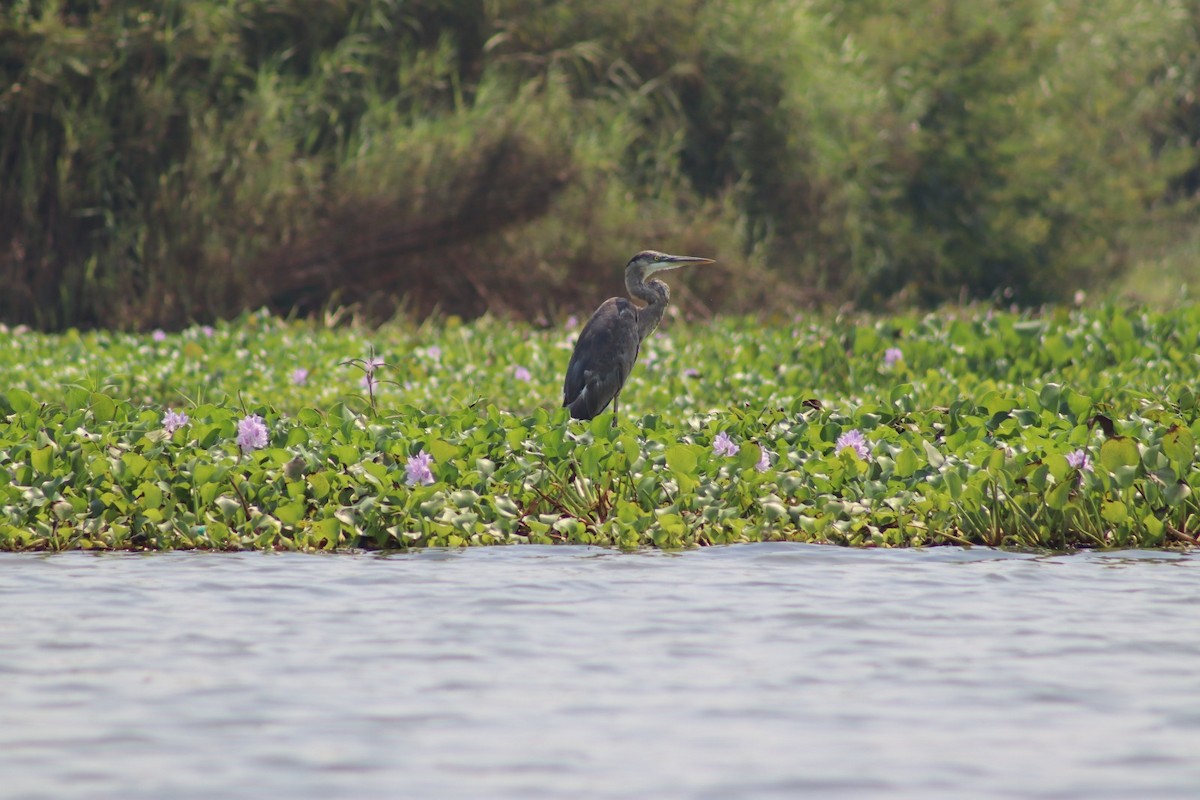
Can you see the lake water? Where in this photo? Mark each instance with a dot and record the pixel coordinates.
(527, 672)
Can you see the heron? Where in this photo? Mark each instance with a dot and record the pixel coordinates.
(609, 343)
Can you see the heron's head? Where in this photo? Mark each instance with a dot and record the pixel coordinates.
(648, 262)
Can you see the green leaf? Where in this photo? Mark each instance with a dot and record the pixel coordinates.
(290, 513)
(936, 459)
(1180, 446)
(20, 400)
(1176, 493)
(1114, 511)
(748, 455)
(682, 459)
(906, 463)
(1120, 451)
(441, 450)
(346, 454)
(319, 484)
(1058, 497)
(104, 409)
(1049, 396)
(42, 459)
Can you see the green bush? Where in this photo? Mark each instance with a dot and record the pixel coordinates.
(167, 162)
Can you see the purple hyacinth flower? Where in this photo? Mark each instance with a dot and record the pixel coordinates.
(252, 433)
(419, 469)
(1080, 460)
(724, 446)
(173, 421)
(855, 441)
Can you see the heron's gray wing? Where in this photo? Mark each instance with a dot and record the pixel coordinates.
(603, 358)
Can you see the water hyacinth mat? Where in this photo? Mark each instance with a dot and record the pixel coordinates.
(966, 426)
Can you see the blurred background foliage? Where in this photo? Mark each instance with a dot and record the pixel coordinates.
(168, 162)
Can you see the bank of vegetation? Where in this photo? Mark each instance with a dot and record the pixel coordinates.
(169, 163)
(1072, 429)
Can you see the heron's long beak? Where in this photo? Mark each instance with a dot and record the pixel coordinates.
(673, 262)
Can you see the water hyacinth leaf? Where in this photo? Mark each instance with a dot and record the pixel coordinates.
(76, 398)
(683, 461)
(906, 463)
(1176, 493)
(1114, 511)
(1058, 496)
(20, 400)
(672, 524)
(1079, 405)
(1049, 396)
(319, 485)
(346, 454)
(104, 409)
(1058, 466)
(748, 455)
(152, 496)
(290, 513)
(328, 529)
(589, 458)
(1179, 445)
(1120, 451)
(441, 450)
(309, 418)
(135, 463)
(505, 506)
(935, 457)
(42, 459)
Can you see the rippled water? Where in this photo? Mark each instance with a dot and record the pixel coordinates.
(523, 672)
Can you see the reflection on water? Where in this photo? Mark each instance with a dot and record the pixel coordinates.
(521, 672)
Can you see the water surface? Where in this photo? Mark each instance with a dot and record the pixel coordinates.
(526, 672)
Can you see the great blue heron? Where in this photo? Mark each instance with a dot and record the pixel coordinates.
(609, 343)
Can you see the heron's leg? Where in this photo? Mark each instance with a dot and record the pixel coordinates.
(616, 397)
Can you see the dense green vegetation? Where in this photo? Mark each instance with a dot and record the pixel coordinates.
(163, 163)
(1074, 429)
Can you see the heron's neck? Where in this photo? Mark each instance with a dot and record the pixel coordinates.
(656, 295)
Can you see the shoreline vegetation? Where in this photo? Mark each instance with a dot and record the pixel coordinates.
(295, 274)
(170, 163)
(1067, 429)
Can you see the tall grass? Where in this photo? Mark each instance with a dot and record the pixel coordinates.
(162, 163)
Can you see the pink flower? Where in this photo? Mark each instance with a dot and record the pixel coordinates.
(300, 376)
(854, 440)
(1080, 460)
(173, 421)
(892, 356)
(252, 433)
(418, 469)
(522, 374)
(724, 446)
(159, 335)
(764, 461)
